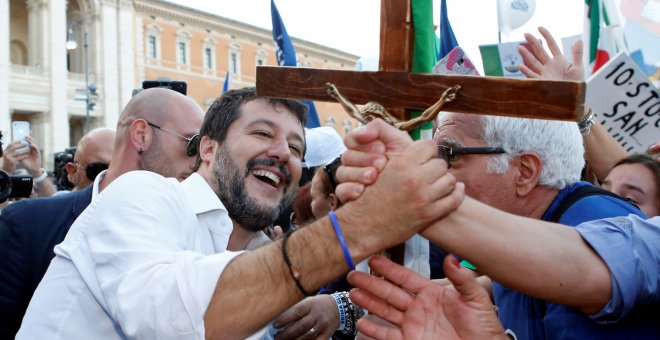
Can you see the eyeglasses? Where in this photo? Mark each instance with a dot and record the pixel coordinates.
(94, 169)
(193, 142)
(450, 153)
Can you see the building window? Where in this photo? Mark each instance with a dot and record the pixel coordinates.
(348, 125)
(234, 63)
(152, 47)
(183, 48)
(208, 59)
(208, 54)
(181, 55)
(330, 121)
(153, 42)
(260, 58)
(235, 60)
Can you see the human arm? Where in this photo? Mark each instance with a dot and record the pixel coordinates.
(422, 309)
(420, 180)
(602, 151)
(545, 260)
(630, 248)
(31, 160)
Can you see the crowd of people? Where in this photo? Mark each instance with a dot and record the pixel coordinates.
(170, 229)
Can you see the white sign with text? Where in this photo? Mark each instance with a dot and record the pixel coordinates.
(626, 103)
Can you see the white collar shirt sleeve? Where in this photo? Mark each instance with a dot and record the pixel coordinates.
(136, 264)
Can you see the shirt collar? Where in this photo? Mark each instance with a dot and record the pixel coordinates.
(97, 182)
(200, 196)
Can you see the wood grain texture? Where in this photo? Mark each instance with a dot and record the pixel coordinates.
(396, 35)
(530, 98)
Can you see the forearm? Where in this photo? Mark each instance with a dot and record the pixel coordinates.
(315, 254)
(541, 259)
(602, 151)
(46, 188)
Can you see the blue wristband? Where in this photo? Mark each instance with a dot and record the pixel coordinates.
(342, 242)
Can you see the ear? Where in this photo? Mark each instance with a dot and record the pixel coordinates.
(140, 134)
(529, 167)
(207, 148)
(71, 169)
(334, 202)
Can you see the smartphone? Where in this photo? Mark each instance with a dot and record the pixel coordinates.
(20, 130)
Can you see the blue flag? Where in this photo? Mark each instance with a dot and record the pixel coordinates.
(286, 56)
(447, 38)
(225, 87)
(284, 51)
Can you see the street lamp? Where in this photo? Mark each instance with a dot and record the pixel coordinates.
(90, 89)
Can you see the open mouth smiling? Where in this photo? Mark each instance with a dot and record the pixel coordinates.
(267, 177)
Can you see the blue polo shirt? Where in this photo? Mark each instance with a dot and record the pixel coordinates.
(525, 317)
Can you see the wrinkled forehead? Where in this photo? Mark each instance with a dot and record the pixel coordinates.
(458, 126)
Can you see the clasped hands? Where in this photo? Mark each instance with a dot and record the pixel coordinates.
(411, 305)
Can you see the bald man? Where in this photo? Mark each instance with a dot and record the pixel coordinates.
(157, 131)
(93, 155)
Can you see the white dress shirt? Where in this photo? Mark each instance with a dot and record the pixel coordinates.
(142, 261)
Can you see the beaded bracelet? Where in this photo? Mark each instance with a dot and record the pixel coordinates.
(294, 274)
(342, 242)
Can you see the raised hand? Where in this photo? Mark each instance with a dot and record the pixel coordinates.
(417, 308)
(540, 65)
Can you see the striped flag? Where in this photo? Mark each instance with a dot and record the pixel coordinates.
(602, 34)
(286, 56)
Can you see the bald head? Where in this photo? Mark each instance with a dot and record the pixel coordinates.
(153, 132)
(95, 147)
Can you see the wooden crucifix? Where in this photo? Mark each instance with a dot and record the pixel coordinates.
(399, 91)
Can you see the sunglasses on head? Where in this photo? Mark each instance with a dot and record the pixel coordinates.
(94, 169)
(451, 153)
(193, 142)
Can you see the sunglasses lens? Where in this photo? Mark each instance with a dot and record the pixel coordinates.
(94, 170)
(191, 149)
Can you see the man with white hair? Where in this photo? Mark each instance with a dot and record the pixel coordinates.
(530, 168)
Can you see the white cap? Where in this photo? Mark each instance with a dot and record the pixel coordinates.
(324, 144)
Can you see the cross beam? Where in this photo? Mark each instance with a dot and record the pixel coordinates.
(559, 100)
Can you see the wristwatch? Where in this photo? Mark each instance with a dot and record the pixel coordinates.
(41, 178)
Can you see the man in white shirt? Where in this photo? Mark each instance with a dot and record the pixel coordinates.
(30, 229)
(156, 267)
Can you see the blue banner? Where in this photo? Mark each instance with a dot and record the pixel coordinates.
(447, 38)
(286, 56)
(284, 51)
(225, 87)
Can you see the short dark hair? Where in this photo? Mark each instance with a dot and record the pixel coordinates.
(648, 162)
(225, 110)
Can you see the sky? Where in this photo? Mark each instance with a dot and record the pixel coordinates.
(353, 25)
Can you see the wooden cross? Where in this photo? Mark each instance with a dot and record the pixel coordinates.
(399, 91)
